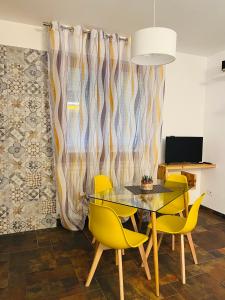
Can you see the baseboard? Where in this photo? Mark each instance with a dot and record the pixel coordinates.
(213, 211)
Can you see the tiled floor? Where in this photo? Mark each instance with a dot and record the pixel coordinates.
(53, 264)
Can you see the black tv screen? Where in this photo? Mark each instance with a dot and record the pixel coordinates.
(183, 149)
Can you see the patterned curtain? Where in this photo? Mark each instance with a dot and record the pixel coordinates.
(106, 114)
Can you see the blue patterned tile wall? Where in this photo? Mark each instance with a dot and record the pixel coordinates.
(27, 187)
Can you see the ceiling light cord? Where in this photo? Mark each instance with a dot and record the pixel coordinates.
(153, 46)
(153, 13)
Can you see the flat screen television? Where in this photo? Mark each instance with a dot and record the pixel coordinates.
(183, 149)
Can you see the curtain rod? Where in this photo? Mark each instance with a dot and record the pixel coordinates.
(85, 30)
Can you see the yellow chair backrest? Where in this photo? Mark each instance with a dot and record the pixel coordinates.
(102, 183)
(177, 177)
(179, 202)
(193, 215)
(106, 227)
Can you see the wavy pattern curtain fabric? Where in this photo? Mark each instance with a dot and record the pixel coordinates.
(106, 114)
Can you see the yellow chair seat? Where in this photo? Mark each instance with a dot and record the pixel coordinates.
(179, 225)
(121, 210)
(177, 205)
(134, 239)
(175, 224)
(171, 209)
(170, 224)
(103, 183)
(106, 227)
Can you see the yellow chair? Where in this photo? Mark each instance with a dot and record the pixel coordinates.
(102, 183)
(179, 225)
(178, 205)
(108, 231)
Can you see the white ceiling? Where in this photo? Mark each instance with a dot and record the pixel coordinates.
(200, 24)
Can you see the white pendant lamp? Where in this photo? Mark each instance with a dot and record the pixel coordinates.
(154, 45)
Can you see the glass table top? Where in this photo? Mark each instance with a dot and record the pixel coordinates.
(153, 201)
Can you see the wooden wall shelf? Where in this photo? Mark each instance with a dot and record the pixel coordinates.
(163, 170)
(187, 166)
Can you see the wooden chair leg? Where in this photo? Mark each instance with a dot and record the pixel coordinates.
(96, 246)
(173, 236)
(148, 231)
(134, 223)
(93, 240)
(144, 260)
(192, 247)
(116, 258)
(173, 242)
(150, 244)
(140, 220)
(121, 274)
(149, 247)
(182, 259)
(123, 252)
(97, 257)
(160, 240)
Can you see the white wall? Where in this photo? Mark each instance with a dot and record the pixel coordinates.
(184, 102)
(22, 35)
(213, 181)
(185, 96)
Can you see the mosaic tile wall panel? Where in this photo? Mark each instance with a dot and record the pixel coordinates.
(27, 189)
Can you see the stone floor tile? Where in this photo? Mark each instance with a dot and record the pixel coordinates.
(32, 261)
(92, 295)
(4, 271)
(18, 242)
(53, 264)
(201, 287)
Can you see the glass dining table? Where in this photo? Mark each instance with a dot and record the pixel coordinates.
(163, 193)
